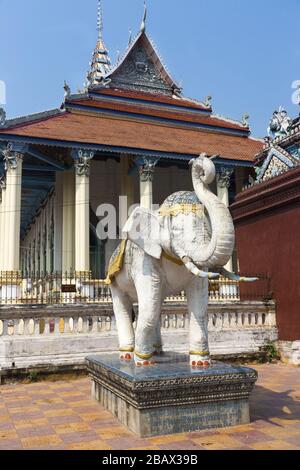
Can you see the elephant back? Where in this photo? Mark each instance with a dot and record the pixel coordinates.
(181, 202)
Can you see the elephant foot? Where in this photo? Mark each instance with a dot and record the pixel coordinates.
(201, 360)
(126, 355)
(144, 360)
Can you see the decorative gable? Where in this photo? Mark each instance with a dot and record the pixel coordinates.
(141, 69)
(276, 167)
(277, 162)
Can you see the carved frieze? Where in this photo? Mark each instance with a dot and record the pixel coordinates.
(138, 72)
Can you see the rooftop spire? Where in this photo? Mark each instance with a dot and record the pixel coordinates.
(100, 64)
(100, 20)
(143, 25)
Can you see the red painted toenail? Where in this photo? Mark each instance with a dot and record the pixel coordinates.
(194, 363)
(200, 363)
(206, 363)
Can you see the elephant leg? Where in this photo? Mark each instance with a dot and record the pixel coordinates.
(123, 313)
(197, 297)
(150, 301)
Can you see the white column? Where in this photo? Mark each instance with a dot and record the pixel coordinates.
(223, 185)
(11, 213)
(82, 211)
(50, 228)
(58, 222)
(2, 188)
(11, 223)
(82, 224)
(147, 169)
(68, 216)
(127, 191)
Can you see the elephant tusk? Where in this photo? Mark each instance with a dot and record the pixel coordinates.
(190, 266)
(235, 277)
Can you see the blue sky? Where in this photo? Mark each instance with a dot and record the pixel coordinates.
(246, 54)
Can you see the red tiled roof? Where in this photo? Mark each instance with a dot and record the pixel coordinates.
(139, 95)
(99, 130)
(163, 113)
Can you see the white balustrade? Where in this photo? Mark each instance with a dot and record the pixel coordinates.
(229, 318)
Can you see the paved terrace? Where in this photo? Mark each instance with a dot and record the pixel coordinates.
(61, 415)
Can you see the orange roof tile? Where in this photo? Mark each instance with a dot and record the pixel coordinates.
(150, 97)
(92, 129)
(137, 108)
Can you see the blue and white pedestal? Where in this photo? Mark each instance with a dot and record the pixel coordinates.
(172, 397)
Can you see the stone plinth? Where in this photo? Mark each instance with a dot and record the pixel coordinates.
(172, 397)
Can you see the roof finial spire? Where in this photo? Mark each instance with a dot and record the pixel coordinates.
(100, 64)
(100, 20)
(143, 25)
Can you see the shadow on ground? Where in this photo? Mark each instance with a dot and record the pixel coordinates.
(267, 405)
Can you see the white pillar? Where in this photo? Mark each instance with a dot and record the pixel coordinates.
(2, 187)
(68, 216)
(147, 169)
(82, 212)
(82, 224)
(223, 185)
(127, 191)
(11, 214)
(58, 222)
(11, 224)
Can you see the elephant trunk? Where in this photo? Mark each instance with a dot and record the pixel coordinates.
(219, 250)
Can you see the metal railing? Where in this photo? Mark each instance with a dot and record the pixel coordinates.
(70, 288)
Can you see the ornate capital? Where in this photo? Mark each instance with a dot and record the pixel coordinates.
(13, 155)
(2, 185)
(147, 168)
(82, 160)
(224, 176)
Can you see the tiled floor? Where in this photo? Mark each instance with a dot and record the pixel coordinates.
(61, 415)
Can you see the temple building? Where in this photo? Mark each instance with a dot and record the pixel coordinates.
(131, 132)
(266, 217)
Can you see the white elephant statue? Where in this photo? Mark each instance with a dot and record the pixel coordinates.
(179, 248)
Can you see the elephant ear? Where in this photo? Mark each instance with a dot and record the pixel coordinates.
(143, 229)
